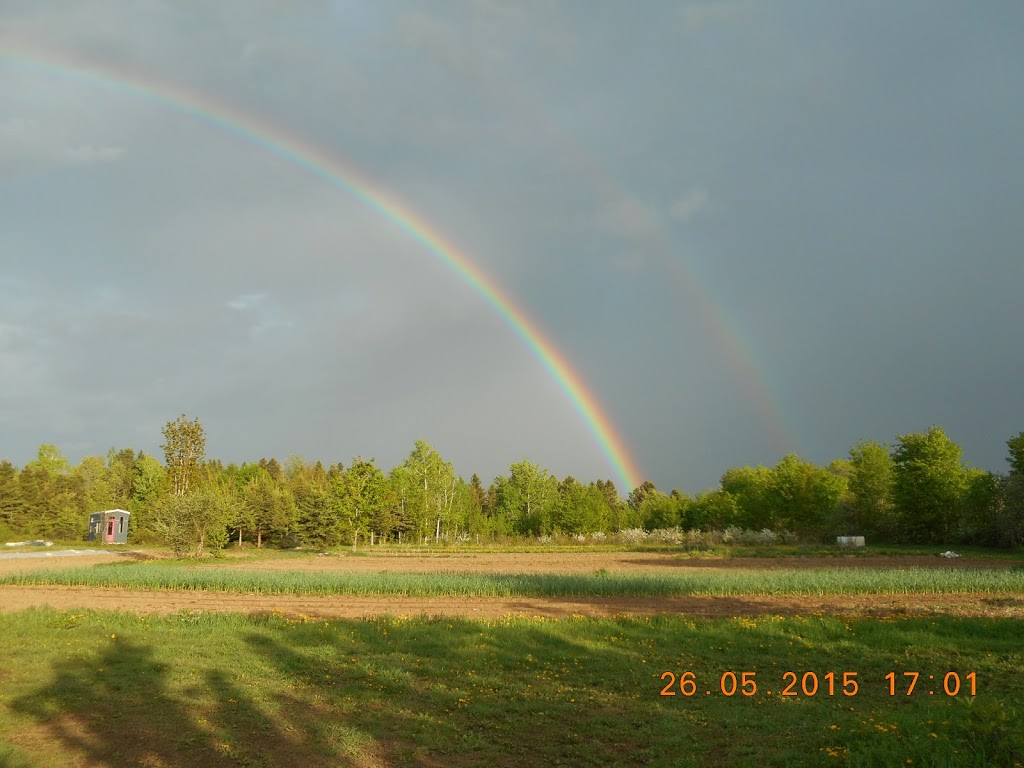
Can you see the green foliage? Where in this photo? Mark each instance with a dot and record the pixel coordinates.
(659, 511)
(528, 498)
(638, 494)
(94, 477)
(1008, 520)
(920, 493)
(871, 491)
(803, 494)
(982, 519)
(319, 523)
(929, 482)
(194, 522)
(51, 461)
(751, 490)
(1016, 454)
(712, 510)
(184, 449)
(12, 505)
(120, 476)
(426, 489)
(795, 495)
(271, 509)
(363, 499)
(149, 482)
(580, 509)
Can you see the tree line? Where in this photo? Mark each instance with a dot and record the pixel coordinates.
(916, 491)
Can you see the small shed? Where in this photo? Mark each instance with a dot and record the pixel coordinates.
(110, 526)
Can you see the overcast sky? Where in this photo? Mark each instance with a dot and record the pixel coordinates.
(750, 228)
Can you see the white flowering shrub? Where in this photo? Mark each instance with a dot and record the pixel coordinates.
(633, 536)
(697, 539)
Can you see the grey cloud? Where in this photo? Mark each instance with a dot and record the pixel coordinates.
(714, 210)
(85, 154)
(693, 202)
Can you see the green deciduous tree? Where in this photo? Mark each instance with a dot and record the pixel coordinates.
(94, 477)
(659, 511)
(871, 491)
(196, 521)
(121, 475)
(712, 510)
(50, 460)
(1015, 455)
(184, 449)
(982, 515)
(752, 491)
(1009, 522)
(527, 498)
(804, 495)
(580, 508)
(426, 487)
(363, 498)
(928, 483)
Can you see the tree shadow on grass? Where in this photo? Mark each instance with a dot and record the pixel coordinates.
(118, 710)
(442, 692)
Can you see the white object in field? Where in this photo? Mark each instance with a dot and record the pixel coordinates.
(850, 541)
(16, 544)
(949, 553)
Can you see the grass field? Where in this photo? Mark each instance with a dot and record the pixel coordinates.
(118, 689)
(94, 688)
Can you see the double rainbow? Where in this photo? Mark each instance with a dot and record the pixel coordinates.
(300, 153)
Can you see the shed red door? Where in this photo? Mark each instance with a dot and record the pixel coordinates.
(110, 529)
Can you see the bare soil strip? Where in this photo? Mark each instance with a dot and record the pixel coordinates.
(15, 598)
(588, 562)
(520, 562)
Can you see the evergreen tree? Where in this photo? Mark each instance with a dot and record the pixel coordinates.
(12, 505)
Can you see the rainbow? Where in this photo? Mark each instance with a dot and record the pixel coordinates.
(696, 291)
(300, 153)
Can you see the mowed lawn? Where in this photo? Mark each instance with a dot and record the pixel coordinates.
(93, 688)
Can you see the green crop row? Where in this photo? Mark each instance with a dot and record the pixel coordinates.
(738, 582)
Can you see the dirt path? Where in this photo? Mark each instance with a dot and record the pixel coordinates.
(73, 598)
(516, 562)
(588, 562)
(54, 560)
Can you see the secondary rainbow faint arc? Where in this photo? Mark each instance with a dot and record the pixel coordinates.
(317, 161)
